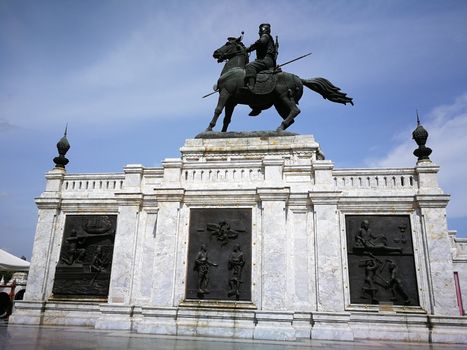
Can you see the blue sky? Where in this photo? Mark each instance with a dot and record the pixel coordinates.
(128, 76)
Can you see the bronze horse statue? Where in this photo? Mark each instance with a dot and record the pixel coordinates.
(284, 92)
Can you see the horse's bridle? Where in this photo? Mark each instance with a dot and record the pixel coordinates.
(239, 50)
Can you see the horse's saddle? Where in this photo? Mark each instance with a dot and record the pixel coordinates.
(265, 82)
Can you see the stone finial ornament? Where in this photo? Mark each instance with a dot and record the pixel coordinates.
(420, 135)
(62, 146)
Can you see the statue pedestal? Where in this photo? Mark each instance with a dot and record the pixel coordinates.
(254, 235)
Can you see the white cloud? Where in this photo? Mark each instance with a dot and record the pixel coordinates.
(447, 128)
(5, 125)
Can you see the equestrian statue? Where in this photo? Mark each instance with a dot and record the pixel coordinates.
(262, 84)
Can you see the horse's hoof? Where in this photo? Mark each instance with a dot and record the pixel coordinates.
(280, 129)
(208, 130)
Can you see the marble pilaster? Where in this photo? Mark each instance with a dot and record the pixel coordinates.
(431, 203)
(144, 262)
(166, 234)
(301, 259)
(438, 255)
(49, 210)
(328, 256)
(274, 248)
(123, 260)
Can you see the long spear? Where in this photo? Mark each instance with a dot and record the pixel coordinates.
(212, 93)
(295, 59)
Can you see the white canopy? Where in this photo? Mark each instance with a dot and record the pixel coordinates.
(9, 262)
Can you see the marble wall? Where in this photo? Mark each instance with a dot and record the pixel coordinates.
(300, 274)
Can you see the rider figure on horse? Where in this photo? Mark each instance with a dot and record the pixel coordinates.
(283, 91)
(266, 55)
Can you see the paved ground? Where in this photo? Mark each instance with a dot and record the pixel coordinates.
(73, 338)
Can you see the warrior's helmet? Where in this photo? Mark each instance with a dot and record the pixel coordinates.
(264, 28)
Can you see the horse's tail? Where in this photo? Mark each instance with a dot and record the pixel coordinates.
(326, 89)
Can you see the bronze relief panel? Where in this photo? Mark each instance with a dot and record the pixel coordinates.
(86, 256)
(219, 254)
(381, 259)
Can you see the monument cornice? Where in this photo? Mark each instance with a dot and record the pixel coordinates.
(324, 197)
(403, 204)
(298, 202)
(220, 197)
(273, 193)
(322, 165)
(129, 198)
(57, 173)
(134, 169)
(149, 201)
(273, 161)
(424, 167)
(48, 203)
(89, 205)
(432, 200)
(169, 194)
(172, 163)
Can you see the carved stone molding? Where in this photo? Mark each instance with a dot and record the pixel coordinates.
(273, 194)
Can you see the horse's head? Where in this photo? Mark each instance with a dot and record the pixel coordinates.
(232, 48)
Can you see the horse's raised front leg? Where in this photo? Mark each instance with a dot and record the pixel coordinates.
(229, 108)
(288, 99)
(223, 96)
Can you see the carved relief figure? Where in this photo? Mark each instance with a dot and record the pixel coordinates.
(371, 241)
(201, 266)
(76, 250)
(395, 283)
(402, 238)
(223, 232)
(99, 261)
(97, 225)
(236, 263)
(369, 287)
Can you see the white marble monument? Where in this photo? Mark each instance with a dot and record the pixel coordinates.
(300, 280)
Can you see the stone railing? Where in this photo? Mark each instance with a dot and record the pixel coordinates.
(93, 183)
(461, 246)
(226, 174)
(380, 179)
(458, 246)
